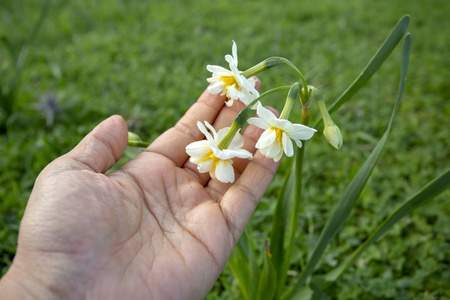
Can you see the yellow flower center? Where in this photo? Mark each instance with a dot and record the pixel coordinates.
(208, 156)
(279, 134)
(230, 81)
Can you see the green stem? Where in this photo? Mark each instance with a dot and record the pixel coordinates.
(293, 222)
(138, 144)
(226, 141)
(275, 61)
(322, 107)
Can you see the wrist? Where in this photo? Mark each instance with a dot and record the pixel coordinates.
(18, 284)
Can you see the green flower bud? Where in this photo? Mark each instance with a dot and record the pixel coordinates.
(333, 135)
(135, 141)
(133, 137)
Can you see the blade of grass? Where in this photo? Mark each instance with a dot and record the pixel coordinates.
(20, 61)
(374, 64)
(432, 189)
(351, 194)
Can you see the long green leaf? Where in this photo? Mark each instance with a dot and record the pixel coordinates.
(267, 286)
(253, 265)
(244, 265)
(432, 189)
(374, 64)
(279, 223)
(293, 221)
(239, 265)
(351, 194)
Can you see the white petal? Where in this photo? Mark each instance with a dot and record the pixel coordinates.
(234, 52)
(212, 130)
(217, 87)
(205, 166)
(246, 97)
(283, 124)
(265, 114)
(237, 142)
(298, 143)
(235, 71)
(230, 60)
(248, 86)
(205, 132)
(241, 153)
(267, 138)
(233, 93)
(259, 123)
(224, 171)
(301, 132)
(287, 145)
(229, 102)
(275, 151)
(221, 134)
(255, 106)
(217, 70)
(198, 149)
(252, 81)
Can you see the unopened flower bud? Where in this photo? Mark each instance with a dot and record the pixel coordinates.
(333, 135)
(133, 137)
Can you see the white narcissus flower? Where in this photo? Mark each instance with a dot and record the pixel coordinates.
(278, 133)
(209, 158)
(230, 82)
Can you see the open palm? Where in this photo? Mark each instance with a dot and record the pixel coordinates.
(156, 228)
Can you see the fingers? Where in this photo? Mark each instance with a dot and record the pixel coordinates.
(241, 199)
(173, 142)
(102, 147)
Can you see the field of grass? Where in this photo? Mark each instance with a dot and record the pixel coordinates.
(145, 60)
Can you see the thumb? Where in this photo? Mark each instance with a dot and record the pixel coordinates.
(103, 146)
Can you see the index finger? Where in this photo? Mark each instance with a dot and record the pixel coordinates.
(173, 142)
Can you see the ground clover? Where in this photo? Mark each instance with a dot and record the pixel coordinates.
(210, 158)
(231, 82)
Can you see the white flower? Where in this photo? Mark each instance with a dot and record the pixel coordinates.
(230, 82)
(209, 158)
(278, 133)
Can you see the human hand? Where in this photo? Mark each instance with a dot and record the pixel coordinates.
(154, 229)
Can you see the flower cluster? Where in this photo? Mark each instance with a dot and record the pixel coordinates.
(231, 82)
(210, 158)
(215, 154)
(278, 133)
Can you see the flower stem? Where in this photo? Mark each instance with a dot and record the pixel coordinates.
(293, 222)
(226, 141)
(138, 144)
(322, 107)
(273, 62)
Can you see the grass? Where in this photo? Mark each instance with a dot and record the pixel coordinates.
(146, 61)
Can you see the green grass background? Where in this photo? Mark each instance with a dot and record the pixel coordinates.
(145, 60)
